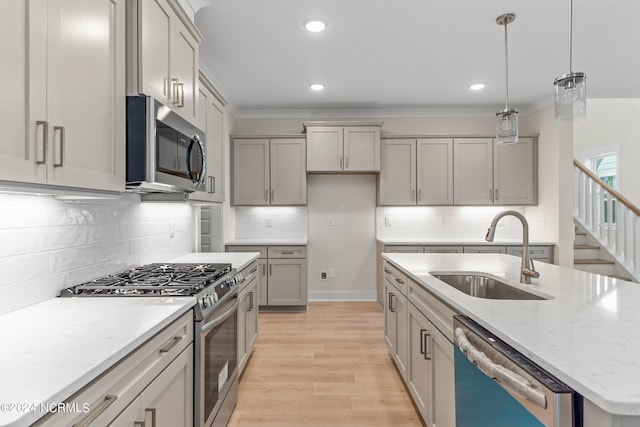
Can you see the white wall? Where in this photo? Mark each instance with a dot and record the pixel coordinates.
(348, 246)
(48, 245)
(613, 122)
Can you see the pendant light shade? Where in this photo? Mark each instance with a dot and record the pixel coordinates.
(570, 89)
(506, 119)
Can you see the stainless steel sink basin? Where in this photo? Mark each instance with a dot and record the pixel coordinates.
(482, 286)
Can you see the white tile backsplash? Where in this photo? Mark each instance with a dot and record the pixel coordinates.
(274, 222)
(444, 222)
(48, 244)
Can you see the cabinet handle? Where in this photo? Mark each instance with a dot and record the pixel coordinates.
(59, 129)
(346, 163)
(496, 195)
(273, 195)
(139, 423)
(266, 195)
(180, 100)
(45, 137)
(413, 195)
(391, 308)
(174, 90)
(172, 344)
(212, 184)
(253, 270)
(264, 266)
(341, 162)
(250, 296)
(108, 401)
(400, 281)
(386, 270)
(422, 343)
(419, 195)
(427, 339)
(153, 415)
(270, 269)
(286, 252)
(490, 195)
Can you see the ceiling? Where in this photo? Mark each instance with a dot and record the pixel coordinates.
(408, 57)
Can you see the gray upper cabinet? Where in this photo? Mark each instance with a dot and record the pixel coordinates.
(269, 172)
(343, 148)
(486, 173)
(416, 172)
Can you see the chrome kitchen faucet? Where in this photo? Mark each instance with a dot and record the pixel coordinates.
(527, 270)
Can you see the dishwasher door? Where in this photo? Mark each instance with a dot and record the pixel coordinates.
(498, 387)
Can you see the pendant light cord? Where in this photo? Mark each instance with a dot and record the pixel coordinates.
(506, 67)
(570, 35)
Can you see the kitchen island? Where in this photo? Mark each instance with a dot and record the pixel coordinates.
(586, 334)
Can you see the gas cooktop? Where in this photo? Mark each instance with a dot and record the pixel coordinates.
(158, 279)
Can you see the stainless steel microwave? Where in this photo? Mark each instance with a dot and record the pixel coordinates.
(165, 153)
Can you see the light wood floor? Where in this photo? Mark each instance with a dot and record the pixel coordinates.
(325, 367)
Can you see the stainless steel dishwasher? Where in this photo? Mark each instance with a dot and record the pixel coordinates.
(496, 386)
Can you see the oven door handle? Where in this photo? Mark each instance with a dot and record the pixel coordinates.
(219, 319)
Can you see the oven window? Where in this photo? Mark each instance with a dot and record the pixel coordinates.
(220, 361)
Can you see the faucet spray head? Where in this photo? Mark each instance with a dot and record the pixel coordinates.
(490, 234)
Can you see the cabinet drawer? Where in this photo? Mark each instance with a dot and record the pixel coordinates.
(440, 314)
(536, 252)
(243, 248)
(395, 276)
(443, 249)
(403, 249)
(485, 249)
(287, 251)
(112, 392)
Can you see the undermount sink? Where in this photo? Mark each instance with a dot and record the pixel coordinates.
(483, 286)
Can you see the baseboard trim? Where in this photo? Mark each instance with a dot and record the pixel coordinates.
(342, 296)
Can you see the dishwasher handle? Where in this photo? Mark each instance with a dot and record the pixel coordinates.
(508, 379)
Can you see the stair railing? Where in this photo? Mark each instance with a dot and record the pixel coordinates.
(610, 217)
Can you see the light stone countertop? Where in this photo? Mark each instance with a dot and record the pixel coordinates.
(460, 242)
(269, 242)
(52, 349)
(238, 260)
(588, 335)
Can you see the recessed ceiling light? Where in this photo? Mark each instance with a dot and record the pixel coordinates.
(316, 87)
(477, 86)
(315, 25)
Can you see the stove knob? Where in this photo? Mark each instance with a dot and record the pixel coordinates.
(205, 302)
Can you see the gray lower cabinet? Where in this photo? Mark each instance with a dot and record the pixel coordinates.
(247, 315)
(281, 275)
(153, 385)
(418, 334)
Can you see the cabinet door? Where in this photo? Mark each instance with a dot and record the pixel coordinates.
(443, 405)
(288, 172)
(154, 48)
(324, 148)
(251, 172)
(169, 398)
(390, 294)
(287, 283)
(262, 282)
(251, 336)
(211, 121)
(362, 149)
(184, 68)
(401, 347)
(129, 416)
(243, 304)
(85, 107)
(514, 173)
(398, 172)
(473, 174)
(22, 30)
(434, 171)
(418, 367)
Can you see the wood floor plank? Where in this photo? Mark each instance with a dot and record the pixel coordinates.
(327, 366)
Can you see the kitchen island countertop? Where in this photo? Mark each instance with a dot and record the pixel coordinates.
(587, 334)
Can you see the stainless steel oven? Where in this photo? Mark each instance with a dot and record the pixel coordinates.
(216, 363)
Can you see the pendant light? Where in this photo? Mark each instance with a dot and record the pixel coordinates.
(570, 89)
(507, 119)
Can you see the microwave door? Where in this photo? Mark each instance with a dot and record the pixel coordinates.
(167, 154)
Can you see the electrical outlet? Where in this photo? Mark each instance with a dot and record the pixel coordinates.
(323, 275)
(267, 222)
(387, 221)
(172, 229)
(332, 272)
